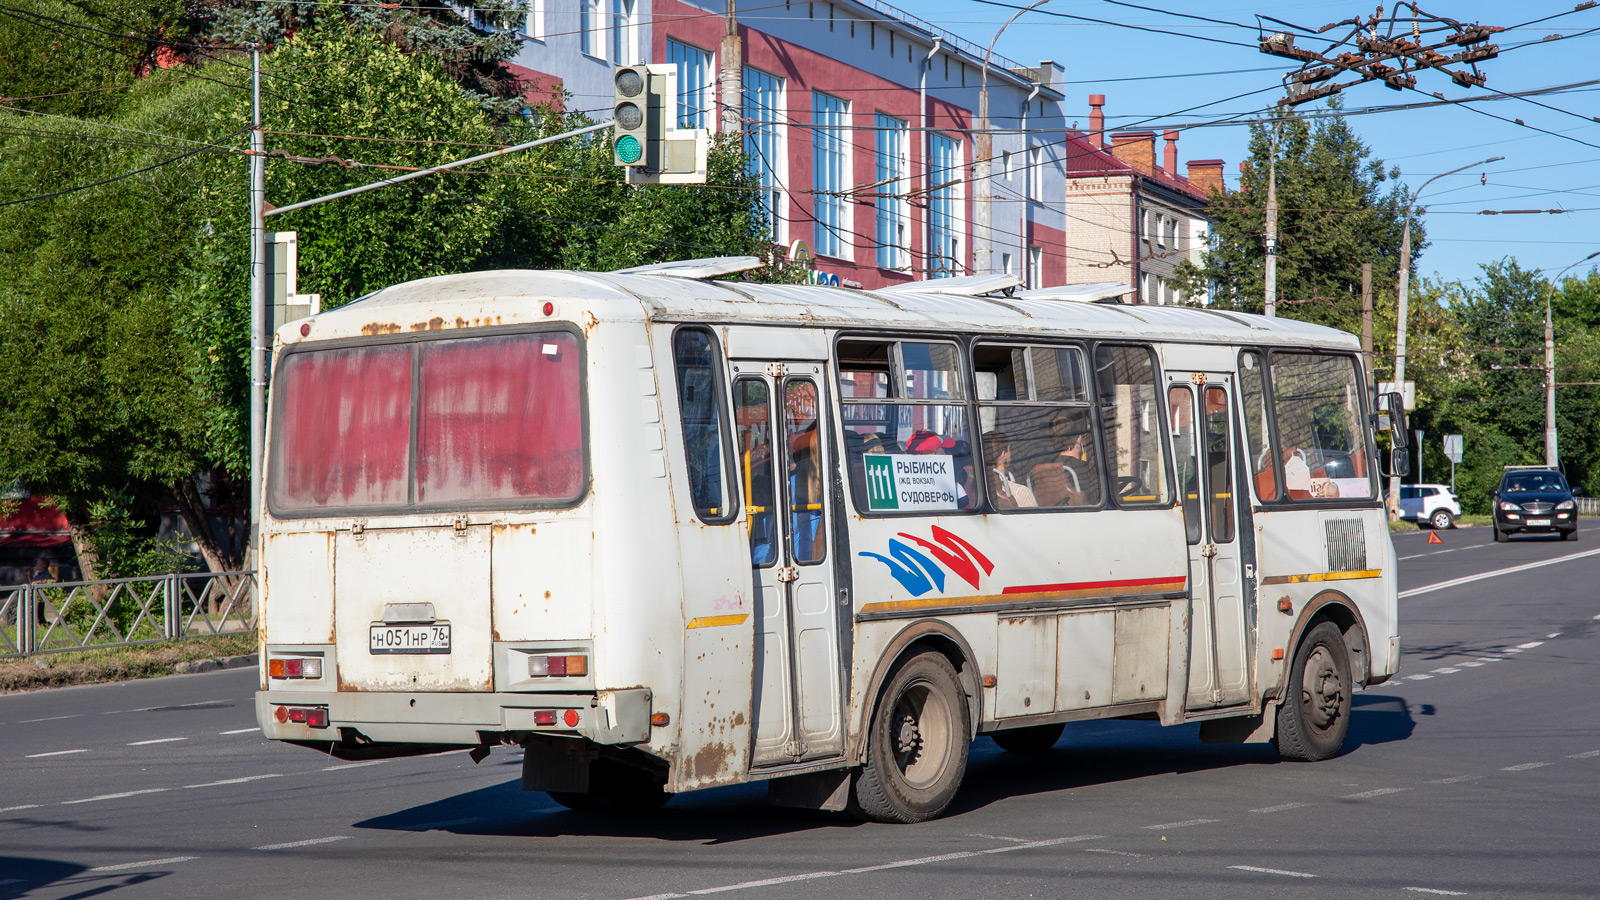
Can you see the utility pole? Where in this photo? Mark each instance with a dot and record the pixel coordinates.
(1552, 456)
(1272, 226)
(732, 74)
(1366, 323)
(259, 349)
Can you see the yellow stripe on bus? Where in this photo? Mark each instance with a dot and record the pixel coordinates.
(714, 621)
(1322, 576)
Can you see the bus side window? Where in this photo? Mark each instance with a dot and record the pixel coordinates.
(1316, 402)
(1130, 417)
(694, 353)
(1038, 439)
(752, 445)
(1186, 457)
(1257, 430)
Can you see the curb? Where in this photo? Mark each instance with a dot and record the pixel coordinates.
(195, 666)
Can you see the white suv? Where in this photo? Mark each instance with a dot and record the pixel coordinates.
(1430, 503)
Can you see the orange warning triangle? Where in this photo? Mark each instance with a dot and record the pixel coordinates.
(1433, 538)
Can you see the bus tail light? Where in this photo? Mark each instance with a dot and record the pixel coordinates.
(294, 667)
(313, 716)
(558, 666)
(544, 717)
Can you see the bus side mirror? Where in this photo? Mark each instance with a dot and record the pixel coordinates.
(1394, 463)
(1395, 406)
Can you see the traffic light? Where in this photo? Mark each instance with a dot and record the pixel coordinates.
(636, 137)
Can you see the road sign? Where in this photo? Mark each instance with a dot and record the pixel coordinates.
(1452, 447)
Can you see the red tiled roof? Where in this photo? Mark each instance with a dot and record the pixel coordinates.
(1083, 158)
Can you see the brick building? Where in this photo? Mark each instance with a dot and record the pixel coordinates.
(1129, 217)
(858, 119)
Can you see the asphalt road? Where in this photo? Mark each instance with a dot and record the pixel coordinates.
(1475, 773)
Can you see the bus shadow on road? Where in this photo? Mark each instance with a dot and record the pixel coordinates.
(23, 876)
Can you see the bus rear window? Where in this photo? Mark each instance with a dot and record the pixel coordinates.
(491, 420)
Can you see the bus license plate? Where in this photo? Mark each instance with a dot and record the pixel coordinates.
(1538, 521)
(411, 638)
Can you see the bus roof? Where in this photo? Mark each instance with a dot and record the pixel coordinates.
(517, 297)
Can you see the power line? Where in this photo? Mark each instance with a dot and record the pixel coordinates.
(166, 162)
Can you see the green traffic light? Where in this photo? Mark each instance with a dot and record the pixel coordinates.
(629, 149)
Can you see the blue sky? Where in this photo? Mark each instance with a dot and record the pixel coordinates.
(1540, 171)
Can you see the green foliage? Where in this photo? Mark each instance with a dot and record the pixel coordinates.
(48, 52)
(1338, 208)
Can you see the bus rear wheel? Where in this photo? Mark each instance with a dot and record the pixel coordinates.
(1032, 739)
(614, 787)
(917, 743)
(1315, 713)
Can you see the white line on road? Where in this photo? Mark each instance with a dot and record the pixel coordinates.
(1530, 645)
(16, 808)
(48, 719)
(156, 741)
(1184, 824)
(355, 765)
(1112, 852)
(1273, 871)
(919, 861)
(1587, 754)
(53, 753)
(1455, 779)
(1512, 650)
(1419, 677)
(1471, 663)
(113, 796)
(1447, 670)
(784, 879)
(326, 840)
(1000, 837)
(1553, 636)
(1437, 891)
(1434, 553)
(1282, 807)
(256, 729)
(232, 781)
(1491, 659)
(1374, 793)
(144, 864)
(1454, 582)
(1523, 767)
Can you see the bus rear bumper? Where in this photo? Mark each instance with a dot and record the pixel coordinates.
(452, 719)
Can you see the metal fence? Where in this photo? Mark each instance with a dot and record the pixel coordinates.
(53, 617)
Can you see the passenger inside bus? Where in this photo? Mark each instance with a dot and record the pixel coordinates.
(1005, 492)
(1068, 479)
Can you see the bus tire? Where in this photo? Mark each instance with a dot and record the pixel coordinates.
(1032, 739)
(916, 744)
(1315, 713)
(614, 787)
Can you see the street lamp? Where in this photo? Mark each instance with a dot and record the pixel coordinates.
(1551, 457)
(1405, 285)
(983, 150)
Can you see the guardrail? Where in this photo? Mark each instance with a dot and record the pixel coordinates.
(1588, 506)
(54, 617)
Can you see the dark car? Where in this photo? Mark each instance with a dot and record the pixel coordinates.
(1534, 500)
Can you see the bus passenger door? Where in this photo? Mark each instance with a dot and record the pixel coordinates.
(780, 411)
(1203, 444)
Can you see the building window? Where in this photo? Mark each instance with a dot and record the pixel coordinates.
(763, 141)
(1005, 263)
(694, 83)
(829, 118)
(944, 206)
(624, 31)
(1035, 173)
(1007, 163)
(1035, 267)
(894, 171)
(589, 37)
(534, 27)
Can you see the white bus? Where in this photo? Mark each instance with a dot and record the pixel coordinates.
(666, 532)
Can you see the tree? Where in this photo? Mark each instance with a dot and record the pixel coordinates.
(1338, 208)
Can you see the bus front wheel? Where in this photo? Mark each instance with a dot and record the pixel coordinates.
(1315, 712)
(917, 745)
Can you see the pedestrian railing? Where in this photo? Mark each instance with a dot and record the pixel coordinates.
(52, 617)
(1588, 506)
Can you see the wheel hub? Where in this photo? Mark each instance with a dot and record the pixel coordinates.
(907, 737)
(1322, 690)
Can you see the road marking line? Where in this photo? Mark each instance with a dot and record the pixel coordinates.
(1553, 636)
(1030, 845)
(1530, 645)
(1446, 670)
(48, 719)
(785, 879)
(1374, 793)
(1273, 871)
(232, 781)
(1184, 824)
(920, 861)
(1588, 754)
(1471, 663)
(139, 865)
(1523, 767)
(1419, 677)
(114, 796)
(256, 729)
(1000, 837)
(1456, 582)
(1511, 650)
(1282, 807)
(1491, 659)
(53, 753)
(326, 840)
(355, 765)
(1597, 617)
(23, 806)
(1437, 891)
(1113, 852)
(156, 741)
(1455, 779)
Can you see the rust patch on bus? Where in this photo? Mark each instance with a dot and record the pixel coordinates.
(710, 761)
(589, 323)
(375, 328)
(434, 324)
